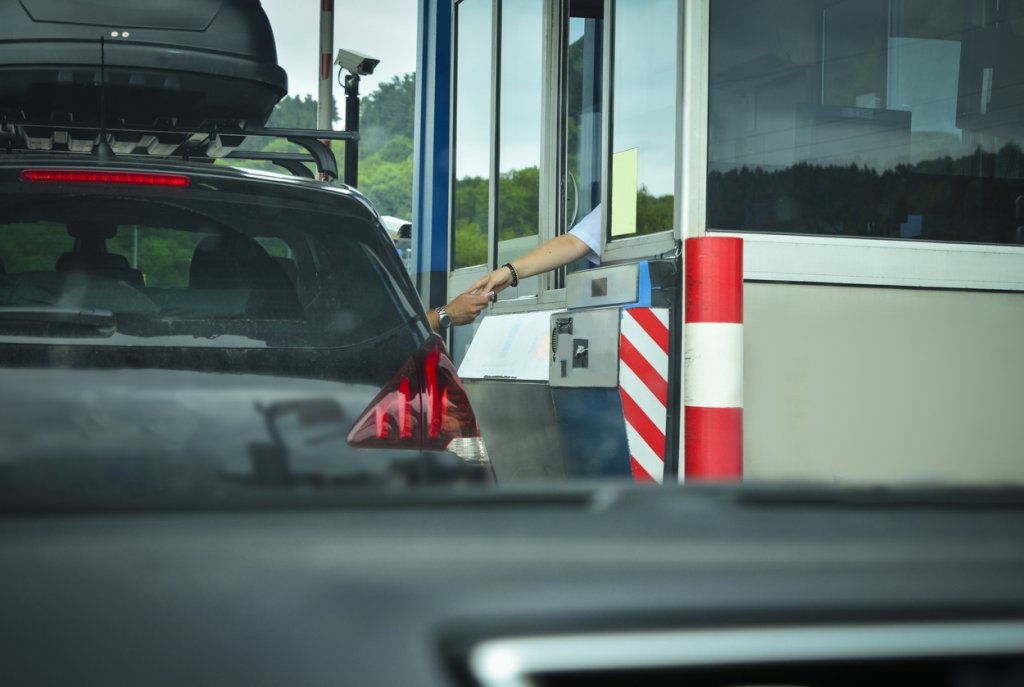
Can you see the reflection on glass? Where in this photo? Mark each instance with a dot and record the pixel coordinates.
(644, 116)
(877, 118)
(472, 132)
(583, 119)
(519, 137)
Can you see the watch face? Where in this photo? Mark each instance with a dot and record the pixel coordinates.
(444, 318)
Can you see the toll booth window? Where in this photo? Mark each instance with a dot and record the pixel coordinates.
(645, 56)
(583, 113)
(895, 119)
(472, 133)
(519, 137)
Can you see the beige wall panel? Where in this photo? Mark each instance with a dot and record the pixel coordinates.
(883, 385)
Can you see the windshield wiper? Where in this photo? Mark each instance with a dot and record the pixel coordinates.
(49, 320)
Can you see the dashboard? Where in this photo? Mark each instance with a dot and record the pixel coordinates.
(583, 585)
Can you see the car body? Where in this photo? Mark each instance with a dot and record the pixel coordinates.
(173, 330)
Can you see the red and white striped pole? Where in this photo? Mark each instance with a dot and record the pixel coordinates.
(324, 98)
(713, 361)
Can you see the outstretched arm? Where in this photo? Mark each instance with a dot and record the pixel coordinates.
(552, 254)
(463, 309)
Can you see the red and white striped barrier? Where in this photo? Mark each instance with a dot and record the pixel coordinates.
(643, 388)
(325, 84)
(713, 359)
(326, 39)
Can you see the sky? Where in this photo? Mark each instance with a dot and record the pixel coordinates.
(383, 29)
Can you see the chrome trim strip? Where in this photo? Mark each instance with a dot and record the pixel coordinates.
(511, 662)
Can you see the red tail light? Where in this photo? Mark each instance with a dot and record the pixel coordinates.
(99, 177)
(423, 407)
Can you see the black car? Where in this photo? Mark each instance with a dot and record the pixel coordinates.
(173, 328)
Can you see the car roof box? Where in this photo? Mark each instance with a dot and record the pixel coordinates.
(177, 63)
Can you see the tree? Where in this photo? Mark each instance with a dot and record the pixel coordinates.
(387, 112)
(295, 112)
(385, 145)
(386, 177)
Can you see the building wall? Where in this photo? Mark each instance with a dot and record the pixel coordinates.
(861, 384)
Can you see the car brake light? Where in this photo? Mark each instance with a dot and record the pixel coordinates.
(423, 407)
(77, 176)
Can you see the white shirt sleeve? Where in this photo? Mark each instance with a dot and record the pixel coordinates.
(588, 230)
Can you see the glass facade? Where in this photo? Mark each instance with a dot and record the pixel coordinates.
(472, 132)
(519, 130)
(583, 121)
(643, 148)
(894, 119)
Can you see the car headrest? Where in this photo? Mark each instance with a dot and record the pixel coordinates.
(239, 262)
(290, 268)
(90, 262)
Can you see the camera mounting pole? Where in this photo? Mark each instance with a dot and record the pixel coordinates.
(352, 124)
(356, 64)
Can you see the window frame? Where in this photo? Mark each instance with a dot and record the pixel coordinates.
(471, 273)
(662, 242)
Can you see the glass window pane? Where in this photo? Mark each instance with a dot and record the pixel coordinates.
(871, 118)
(644, 116)
(583, 115)
(519, 136)
(472, 132)
(218, 268)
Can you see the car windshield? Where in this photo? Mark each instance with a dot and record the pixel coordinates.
(791, 256)
(525, 343)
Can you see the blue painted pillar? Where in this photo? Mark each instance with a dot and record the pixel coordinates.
(431, 173)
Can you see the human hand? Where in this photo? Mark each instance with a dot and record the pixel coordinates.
(495, 282)
(465, 307)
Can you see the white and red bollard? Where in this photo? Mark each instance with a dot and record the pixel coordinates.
(713, 359)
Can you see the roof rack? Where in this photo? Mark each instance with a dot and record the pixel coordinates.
(211, 142)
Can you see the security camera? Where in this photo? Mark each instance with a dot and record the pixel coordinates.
(355, 62)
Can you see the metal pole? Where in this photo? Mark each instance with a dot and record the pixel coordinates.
(713, 358)
(352, 124)
(325, 98)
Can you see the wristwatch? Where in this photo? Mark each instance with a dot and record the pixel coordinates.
(444, 320)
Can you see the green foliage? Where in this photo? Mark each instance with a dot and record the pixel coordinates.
(518, 215)
(470, 216)
(387, 113)
(969, 198)
(653, 213)
(25, 247)
(292, 112)
(295, 112)
(518, 203)
(386, 177)
(164, 255)
(470, 244)
(385, 145)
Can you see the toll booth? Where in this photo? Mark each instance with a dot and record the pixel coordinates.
(866, 154)
(593, 379)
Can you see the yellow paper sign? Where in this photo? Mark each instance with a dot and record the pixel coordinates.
(624, 192)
